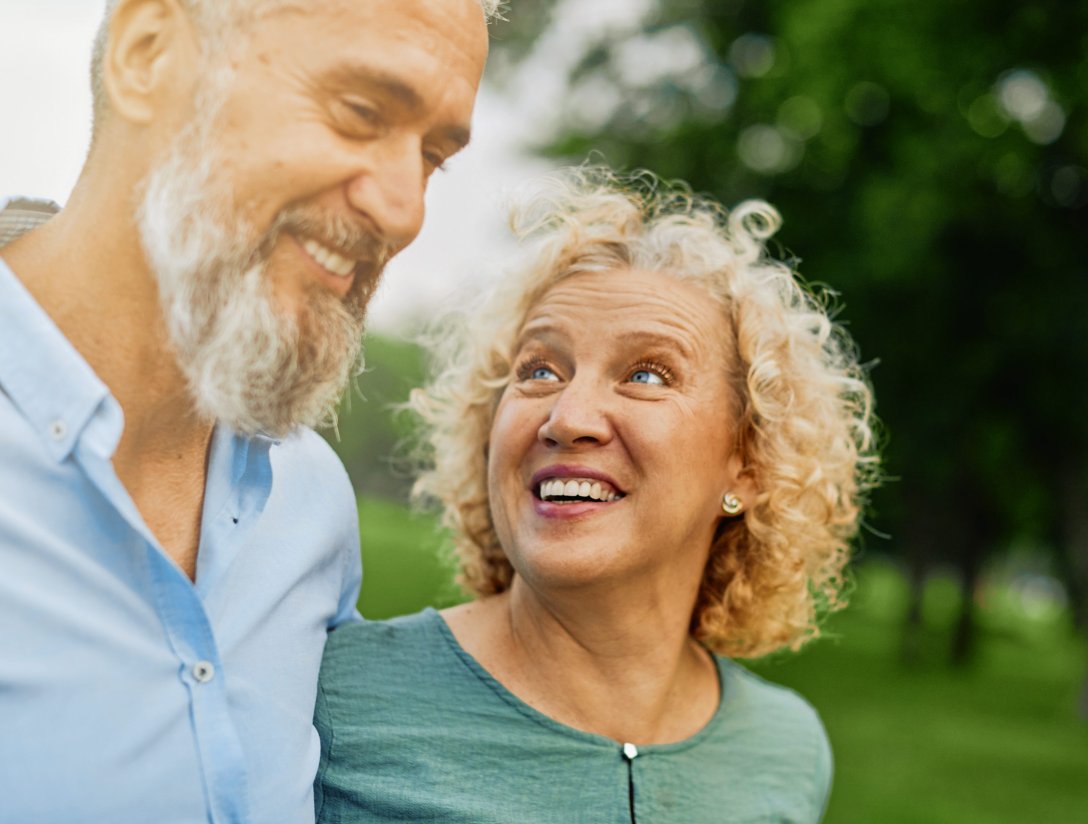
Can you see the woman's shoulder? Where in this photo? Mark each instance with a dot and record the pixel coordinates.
(777, 734)
(355, 649)
(375, 660)
(368, 633)
(766, 700)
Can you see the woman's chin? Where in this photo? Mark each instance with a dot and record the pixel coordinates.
(554, 568)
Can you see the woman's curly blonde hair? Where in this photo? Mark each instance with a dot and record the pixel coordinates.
(803, 419)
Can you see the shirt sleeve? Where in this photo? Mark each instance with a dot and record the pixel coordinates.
(825, 769)
(347, 610)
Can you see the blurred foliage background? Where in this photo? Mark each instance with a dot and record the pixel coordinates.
(930, 161)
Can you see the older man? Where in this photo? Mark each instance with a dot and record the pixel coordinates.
(174, 543)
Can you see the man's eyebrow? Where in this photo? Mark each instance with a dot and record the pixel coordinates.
(459, 136)
(363, 75)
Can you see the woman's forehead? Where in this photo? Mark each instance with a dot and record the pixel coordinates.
(628, 302)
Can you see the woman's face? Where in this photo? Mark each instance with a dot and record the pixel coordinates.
(613, 444)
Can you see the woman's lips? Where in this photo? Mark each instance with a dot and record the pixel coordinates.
(565, 491)
(587, 488)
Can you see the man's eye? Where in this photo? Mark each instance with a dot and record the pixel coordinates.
(364, 112)
(435, 160)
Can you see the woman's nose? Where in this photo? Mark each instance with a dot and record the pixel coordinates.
(577, 418)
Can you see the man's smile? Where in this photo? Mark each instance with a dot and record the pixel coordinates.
(336, 270)
(336, 263)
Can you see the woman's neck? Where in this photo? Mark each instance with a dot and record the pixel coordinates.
(629, 673)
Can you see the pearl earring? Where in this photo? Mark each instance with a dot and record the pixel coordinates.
(731, 504)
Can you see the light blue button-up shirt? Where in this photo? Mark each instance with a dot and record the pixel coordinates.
(129, 693)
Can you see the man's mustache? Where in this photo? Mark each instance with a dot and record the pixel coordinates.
(352, 239)
(349, 238)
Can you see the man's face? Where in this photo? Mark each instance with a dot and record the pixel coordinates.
(303, 170)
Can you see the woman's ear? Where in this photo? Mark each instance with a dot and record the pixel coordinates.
(150, 60)
(746, 486)
(741, 488)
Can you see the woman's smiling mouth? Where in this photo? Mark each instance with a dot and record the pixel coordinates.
(577, 490)
(572, 490)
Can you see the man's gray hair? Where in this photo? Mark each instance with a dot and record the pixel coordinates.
(215, 19)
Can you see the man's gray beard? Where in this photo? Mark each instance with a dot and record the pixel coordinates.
(249, 363)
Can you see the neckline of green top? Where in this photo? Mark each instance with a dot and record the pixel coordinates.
(727, 697)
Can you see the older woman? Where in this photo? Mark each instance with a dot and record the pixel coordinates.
(651, 444)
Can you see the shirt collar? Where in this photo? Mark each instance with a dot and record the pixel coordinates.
(42, 373)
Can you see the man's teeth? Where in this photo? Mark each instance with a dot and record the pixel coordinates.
(334, 262)
(577, 488)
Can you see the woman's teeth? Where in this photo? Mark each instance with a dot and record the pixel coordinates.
(578, 489)
(336, 263)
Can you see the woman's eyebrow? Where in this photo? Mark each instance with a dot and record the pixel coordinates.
(663, 341)
(539, 333)
(545, 332)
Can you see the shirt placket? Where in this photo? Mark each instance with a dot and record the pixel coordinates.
(189, 632)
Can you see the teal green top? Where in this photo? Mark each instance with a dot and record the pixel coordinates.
(414, 729)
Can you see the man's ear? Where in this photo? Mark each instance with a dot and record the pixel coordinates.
(150, 58)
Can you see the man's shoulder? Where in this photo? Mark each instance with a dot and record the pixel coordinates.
(310, 490)
(304, 460)
(306, 446)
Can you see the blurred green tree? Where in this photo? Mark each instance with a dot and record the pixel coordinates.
(369, 432)
(930, 158)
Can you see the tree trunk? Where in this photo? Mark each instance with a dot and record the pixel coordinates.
(976, 535)
(917, 571)
(965, 635)
(918, 543)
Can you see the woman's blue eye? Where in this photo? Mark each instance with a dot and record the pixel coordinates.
(646, 376)
(543, 373)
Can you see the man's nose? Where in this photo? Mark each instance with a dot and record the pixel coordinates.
(389, 190)
(578, 417)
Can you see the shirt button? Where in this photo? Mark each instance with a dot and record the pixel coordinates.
(630, 752)
(58, 429)
(203, 671)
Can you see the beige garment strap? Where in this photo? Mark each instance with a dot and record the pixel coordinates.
(23, 214)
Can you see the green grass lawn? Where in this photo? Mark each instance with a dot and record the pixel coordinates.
(403, 566)
(998, 741)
